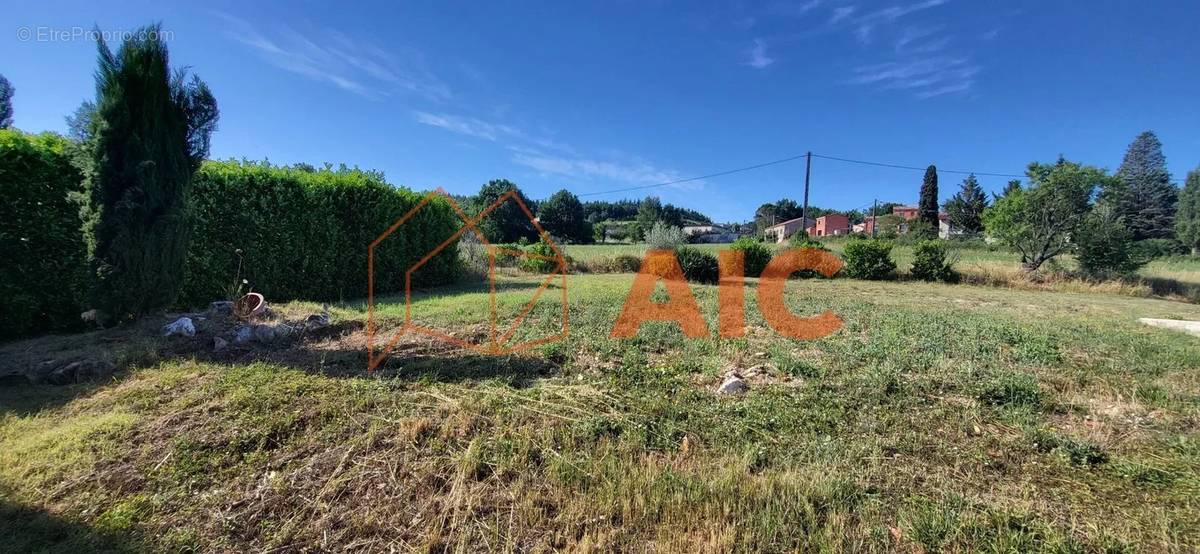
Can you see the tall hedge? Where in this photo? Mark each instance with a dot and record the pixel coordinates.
(42, 252)
(303, 233)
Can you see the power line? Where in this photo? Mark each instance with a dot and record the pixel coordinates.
(896, 166)
(689, 179)
(785, 160)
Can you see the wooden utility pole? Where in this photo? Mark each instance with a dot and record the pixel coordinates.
(807, 173)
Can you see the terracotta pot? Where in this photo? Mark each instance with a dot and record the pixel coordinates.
(250, 305)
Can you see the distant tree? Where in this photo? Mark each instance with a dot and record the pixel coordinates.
(1187, 219)
(649, 212)
(562, 216)
(507, 223)
(1142, 194)
(1104, 246)
(927, 208)
(599, 232)
(6, 109)
(152, 130)
(965, 208)
(1010, 186)
(79, 123)
(1039, 221)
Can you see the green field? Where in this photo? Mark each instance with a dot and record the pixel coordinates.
(940, 417)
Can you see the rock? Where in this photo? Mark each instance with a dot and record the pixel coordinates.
(316, 321)
(219, 344)
(220, 307)
(243, 335)
(269, 333)
(1186, 326)
(90, 316)
(733, 385)
(182, 327)
(64, 375)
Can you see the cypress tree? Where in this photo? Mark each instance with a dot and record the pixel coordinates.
(927, 209)
(6, 110)
(152, 130)
(1187, 220)
(1143, 195)
(965, 208)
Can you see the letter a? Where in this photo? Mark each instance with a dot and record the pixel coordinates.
(681, 306)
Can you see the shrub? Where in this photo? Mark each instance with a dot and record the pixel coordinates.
(930, 264)
(625, 263)
(304, 234)
(664, 237)
(1105, 245)
(544, 262)
(1153, 249)
(698, 266)
(43, 272)
(757, 255)
(868, 259)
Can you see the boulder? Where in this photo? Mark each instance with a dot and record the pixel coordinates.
(243, 335)
(219, 344)
(182, 327)
(266, 333)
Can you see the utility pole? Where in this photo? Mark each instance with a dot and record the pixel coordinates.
(807, 173)
(874, 217)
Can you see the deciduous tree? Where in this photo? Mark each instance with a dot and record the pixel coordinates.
(507, 222)
(562, 215)
(1039, 221)
(6, 109)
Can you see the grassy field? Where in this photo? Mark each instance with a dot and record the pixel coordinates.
(1176, 277)
(940, 417)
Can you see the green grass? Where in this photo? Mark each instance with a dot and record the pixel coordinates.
(940, 417)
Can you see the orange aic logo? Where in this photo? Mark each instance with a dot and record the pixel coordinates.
(681, 307)
(498, 342)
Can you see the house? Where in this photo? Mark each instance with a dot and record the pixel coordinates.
(830, 225)
(906, 213)
(867, 227)
(781, 231)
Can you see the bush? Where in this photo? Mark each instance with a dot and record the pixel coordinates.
(664, 237)
(868, 259)
(625, 263)
(1104, 246)
(929, 262)
(43, 274)
(1153, 249)
(304, 234)
(757, 255)
(543, 263)
(698, 266)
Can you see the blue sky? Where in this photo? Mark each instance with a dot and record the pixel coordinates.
(605, 95)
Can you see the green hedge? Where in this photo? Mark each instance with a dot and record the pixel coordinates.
(42, 251)
(303, 234)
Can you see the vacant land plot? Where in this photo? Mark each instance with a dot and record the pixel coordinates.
(939, 417)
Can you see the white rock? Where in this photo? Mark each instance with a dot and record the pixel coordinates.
(182, 327)
(1186, 326)
(733, 385)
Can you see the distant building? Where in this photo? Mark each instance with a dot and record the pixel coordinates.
(906, 212)
(830, 225)
(709, 233)
(781, 231)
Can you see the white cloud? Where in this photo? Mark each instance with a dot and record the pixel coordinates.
(353, 66)
(841, 13)
(633, 172)
(465, 125)
(924, 77)
(758, 55)
(866, 24)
